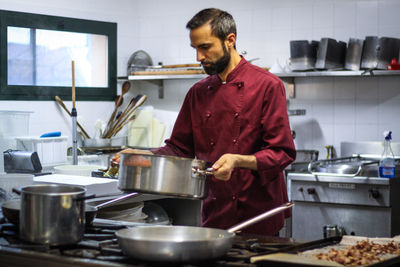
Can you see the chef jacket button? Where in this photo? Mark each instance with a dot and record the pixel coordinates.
(236, 114)
(233, 197)
(212, 143)
(214, 198)
(234, 141)
(240, 85)
(208, 115)
(209, 87)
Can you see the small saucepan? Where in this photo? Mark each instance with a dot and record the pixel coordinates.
(183, 243)
(11, 208)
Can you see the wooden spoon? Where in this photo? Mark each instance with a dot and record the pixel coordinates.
(125, 88)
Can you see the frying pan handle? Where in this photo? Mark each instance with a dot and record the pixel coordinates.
(260, 217)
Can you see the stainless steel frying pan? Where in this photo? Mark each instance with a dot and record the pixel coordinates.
(183, 243)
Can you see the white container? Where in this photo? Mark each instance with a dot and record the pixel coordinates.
(12, 124)
(51, 150)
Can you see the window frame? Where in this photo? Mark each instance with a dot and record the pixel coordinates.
(47, 22)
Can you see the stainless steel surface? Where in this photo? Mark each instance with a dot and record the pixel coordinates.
(369, 58)
(362, 205)
(51, 214)
(174, 243)
(341, 191)
(355, 219)
(330, 54)
(183, 243)
(164, 175)
(74, 138)
(353, 54)
(303, 55)
(344, 167)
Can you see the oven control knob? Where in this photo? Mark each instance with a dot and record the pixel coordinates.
(301, 189)
(374, 193)
(311, 191)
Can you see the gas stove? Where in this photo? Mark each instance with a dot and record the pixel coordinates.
(99, 247)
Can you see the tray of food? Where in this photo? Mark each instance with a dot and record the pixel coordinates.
(337, 251)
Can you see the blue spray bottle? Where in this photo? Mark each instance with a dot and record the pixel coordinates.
(386, 165)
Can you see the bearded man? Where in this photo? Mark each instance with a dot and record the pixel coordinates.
(236, 118)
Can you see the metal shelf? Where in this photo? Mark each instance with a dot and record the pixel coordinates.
(288, 77)
(339, 73)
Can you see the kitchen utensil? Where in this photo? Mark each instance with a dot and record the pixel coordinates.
(353, 54)
(166, 175)
(139, 60)
(330, 54)
(125, 88)
(303, 55)
(378, 52)
(59, 101)
(52, 214)
(123, 120)
(74, 115)
(183, 243)
(11, 209)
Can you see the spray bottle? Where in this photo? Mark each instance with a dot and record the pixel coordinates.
(386, 165)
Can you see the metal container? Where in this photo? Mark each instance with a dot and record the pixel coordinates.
(303, 55)
(166, 175)
(330, 54)
(52, 214)
(353, 54)
(379, 52)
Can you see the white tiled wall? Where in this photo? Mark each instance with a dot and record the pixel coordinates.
(338, 109)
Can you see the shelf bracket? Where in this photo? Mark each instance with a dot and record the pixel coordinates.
(290, 86)
(160, 84)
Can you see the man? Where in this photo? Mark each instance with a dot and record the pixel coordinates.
(236, 118)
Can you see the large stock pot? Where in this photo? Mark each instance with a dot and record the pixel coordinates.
(166, 175)
(52, 214)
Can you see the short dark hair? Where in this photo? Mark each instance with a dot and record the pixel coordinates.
(222, 23)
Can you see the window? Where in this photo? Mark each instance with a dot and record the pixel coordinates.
(36, 52)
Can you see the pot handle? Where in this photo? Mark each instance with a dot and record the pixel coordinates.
(208, 171)
(16, 191)
(85, 197)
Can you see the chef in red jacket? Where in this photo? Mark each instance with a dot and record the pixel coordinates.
(237, 119)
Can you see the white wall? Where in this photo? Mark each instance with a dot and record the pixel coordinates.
(338, 109)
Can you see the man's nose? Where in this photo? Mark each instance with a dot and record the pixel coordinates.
(200, 56)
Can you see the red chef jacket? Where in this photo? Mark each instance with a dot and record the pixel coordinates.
(246, 115)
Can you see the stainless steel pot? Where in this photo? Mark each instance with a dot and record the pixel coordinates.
(183, 243)
(52, 214)
(166, 175)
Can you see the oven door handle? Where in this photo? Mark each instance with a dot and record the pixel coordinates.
(312, 164)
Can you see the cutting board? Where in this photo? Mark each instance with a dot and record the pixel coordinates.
(293, 258)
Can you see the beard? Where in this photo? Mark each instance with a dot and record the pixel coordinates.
(219, 65)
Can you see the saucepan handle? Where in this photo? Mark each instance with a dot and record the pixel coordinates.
(208, 171)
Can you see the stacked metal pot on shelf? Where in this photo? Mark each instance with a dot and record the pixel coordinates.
(329, 54)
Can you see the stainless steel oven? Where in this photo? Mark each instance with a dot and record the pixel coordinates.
(357, 201)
